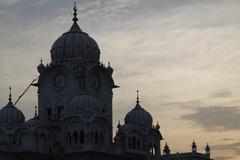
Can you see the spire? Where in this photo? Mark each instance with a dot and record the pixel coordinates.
(35, 111)
(10, 94)
(208, 150)
(75, 19)
(119, 124)
(75, 27)
(194, 147)
(157, 126)
(137, 97)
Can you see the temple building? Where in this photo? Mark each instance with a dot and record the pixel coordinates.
(74, 118)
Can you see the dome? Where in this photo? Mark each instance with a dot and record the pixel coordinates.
(75, 45)
(41, 67)
(84, 103)
(137, 116)
(10, 116)
(32, 122)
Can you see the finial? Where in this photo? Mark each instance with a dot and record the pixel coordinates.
(119, 124)
(75, 19)
(41, 61)
(108, 64)
(10, 94)
(35, 111)
(157, 126)
(137, 97)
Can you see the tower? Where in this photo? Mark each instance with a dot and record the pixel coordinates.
(138, 135)
(75, 92)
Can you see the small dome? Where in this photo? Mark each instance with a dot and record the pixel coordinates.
(41, 67)
(84, 103)
(32, 122)
(138, 116)
(10, 116)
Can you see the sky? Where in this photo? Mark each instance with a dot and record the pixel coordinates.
(182, 55)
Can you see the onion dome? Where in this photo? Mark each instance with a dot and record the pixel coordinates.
(10, 116)
(33, 122)
(138, 116)
(84, 103)
(75, 45)
(41, 67)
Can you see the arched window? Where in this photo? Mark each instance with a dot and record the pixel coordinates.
(101, 138)
(81, 136)
(68, 138)
(75, 137)
(134, 142)
(96, 137)
(129, 142)
(103, 110)
(138, 143)
(43, 141)
(59, 111)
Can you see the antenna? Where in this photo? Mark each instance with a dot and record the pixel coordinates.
(25, 91)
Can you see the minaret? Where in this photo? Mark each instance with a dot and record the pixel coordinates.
(166, 150)
(207, 151)
(194, 147)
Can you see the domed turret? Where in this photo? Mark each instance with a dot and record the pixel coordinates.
(83, 103)
(138, 116)
(75, 45)
(109, 68)
(41, 67)
(10, 116)
(166, 150)
(194, 147)
(33, 122)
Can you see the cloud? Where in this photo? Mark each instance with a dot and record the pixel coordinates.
(8, 2)
(235, 147)
(223, 93)
(223, 158)
(215, 118)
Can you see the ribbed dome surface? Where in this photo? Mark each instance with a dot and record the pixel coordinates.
(138, 116)
(75, 45)
(83, 103)
(10, 116)
(32, 122)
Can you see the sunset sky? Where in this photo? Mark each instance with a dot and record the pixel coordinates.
(182, 55)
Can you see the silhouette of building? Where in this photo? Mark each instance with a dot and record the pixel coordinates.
(74, 117)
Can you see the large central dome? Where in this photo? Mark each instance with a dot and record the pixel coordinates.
(75, 45)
